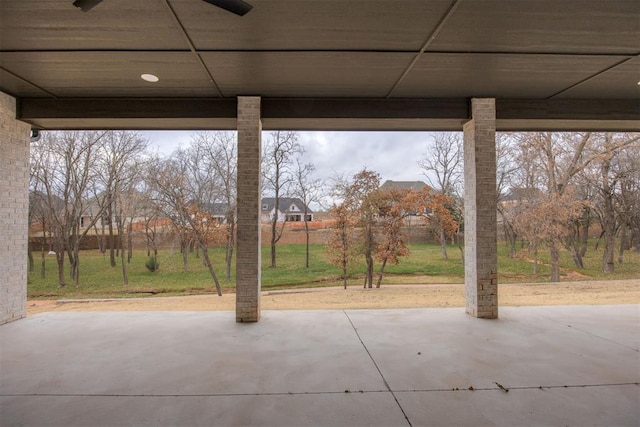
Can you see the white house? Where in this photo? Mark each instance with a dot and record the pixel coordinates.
(290, 209)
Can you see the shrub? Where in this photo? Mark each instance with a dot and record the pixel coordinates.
(152, 264)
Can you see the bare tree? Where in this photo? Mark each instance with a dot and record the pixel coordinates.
(177, 195)
(610, 179)
(553, 162)
(65, 172)
(339, 245)
(308, 190)
(442, 166)
(506, 168)
(219, 154)
(121, 156)
(628, 199)
(278, 171)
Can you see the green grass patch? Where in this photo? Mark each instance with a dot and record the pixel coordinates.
(425, 264)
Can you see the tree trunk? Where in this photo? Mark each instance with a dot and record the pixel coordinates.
(575, 248)
(443, 245)
(205, 255)
(577, 259)
(623, 243)
(112, 243)
(230, 247)
(306, 232)
(368, 280)
(586, 220)
(43, 270)
(32, 266)
(184, 247)
(43, 263)
(99, 238)
(598, 240)
(555, 262)
(381, 275)
(274, 223)
(129, 242)
(60, 262)
(344, 271)
(274, 235)
(512, 244)
(609, 230)
(125, 273)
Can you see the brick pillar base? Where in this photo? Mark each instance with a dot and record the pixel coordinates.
(14, 208)
(480, 211)
(248, 257)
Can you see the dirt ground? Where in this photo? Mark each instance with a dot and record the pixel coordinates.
(389, 296)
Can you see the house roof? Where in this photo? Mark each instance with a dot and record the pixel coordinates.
(403, 185)
(215, 209)
(284, 203)
(517, 194)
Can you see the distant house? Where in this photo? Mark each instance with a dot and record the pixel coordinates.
(217, 210)
(289, 209)
(407, 185)
(403, 185)
(519, 195)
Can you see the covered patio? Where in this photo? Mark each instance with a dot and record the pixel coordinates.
(477, 66)
(565, 365)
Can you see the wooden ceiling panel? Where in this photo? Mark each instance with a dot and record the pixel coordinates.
(111, 25)
(543, 26)
(339, 25)
(93, 74)
(622, 80)
(498, 75)
(330, 74)
(13, 86)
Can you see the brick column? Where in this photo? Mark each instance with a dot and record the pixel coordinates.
(14, 208)
(248, 261)
(480, 211)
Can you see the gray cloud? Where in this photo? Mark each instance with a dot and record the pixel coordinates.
(394, 155)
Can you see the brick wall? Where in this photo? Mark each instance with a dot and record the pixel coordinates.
(14, 206)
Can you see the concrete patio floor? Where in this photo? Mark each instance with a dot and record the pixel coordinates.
(570, 365)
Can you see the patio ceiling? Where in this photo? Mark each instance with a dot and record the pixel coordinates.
(325, 64)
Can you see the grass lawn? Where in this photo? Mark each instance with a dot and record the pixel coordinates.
(424, 265)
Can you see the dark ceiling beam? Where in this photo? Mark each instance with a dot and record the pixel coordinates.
(568, 109)
(125, 108)
(337, 108)
(328, 114)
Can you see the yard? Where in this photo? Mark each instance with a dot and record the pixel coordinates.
(442, 280)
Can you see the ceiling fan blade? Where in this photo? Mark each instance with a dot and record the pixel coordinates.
(86, 5)
(239, 7)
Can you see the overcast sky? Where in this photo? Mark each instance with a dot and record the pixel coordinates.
(394, 155)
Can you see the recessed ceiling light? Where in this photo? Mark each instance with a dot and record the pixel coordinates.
(149, 78)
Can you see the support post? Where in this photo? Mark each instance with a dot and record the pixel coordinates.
(14, 209)
(248, 257)
(480, 211)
